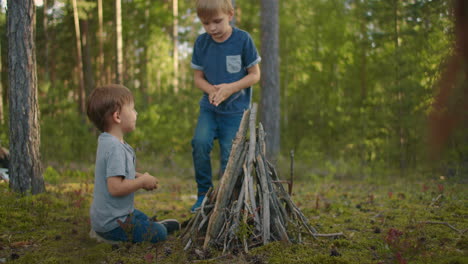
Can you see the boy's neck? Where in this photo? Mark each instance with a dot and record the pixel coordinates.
(116, 132)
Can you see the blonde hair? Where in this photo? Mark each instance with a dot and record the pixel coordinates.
(104, 101)
(210, 8)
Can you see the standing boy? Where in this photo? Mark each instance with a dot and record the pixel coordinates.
(113, 216)
(225, 62)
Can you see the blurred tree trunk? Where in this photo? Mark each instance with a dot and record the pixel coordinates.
(175, 36)
(234, 19)
(45, 23)
(400, 93)
(270, 99)
(25, 165)
(87, 65)
(81, 92)
(118, 27)
(2, 119)
(145, 58)
(101, 70)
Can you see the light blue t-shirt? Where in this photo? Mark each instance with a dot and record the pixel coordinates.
(113, 158)
(226, 62)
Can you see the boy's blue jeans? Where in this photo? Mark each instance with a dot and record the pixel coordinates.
(211, 126)
(137, 228)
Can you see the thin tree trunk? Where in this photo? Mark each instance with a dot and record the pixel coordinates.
(81, 92)
(145, 58)
(2, 118)
(25, 164)
(270, 99)
(234, 19)
(101, 70)
(118, 26)
(175, 35)
(87, 65)
(401, 131)
(45, 23)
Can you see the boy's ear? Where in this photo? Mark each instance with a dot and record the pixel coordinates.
(116, 117)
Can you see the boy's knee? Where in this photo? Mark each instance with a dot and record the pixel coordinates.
(201, 143)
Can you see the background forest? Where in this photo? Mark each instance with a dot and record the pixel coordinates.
(357, 80)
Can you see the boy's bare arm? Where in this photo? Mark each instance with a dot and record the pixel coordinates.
(119, 186)
(202, 83)
(227, 89)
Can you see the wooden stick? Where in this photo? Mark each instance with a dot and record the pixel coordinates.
(227, 182)
(291, 180)
(266, 200)
(444, 223)
(250, 161)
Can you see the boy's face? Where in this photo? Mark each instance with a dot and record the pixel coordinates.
(128, 117)
(218, 26)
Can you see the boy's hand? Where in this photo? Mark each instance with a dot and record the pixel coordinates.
(149, 182)
(224, 91)
(213, 94)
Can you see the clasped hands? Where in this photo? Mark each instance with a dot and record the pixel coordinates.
(149, 182)
(220, 93)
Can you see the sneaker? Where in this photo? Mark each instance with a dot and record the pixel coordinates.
(171, 225)
(197, 204)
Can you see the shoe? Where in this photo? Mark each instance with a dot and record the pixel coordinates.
(171, 225)
(98, 238)
(197, 204)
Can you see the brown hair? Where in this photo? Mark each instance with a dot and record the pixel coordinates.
(210, 8)
(105, 101)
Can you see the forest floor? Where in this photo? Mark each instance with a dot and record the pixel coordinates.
(383, 221)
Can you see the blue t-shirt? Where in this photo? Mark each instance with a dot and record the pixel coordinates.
(226, 62)
(113, 158)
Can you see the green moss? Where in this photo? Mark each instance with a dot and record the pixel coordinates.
(56, 225)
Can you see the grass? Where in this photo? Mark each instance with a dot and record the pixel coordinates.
(383, 221)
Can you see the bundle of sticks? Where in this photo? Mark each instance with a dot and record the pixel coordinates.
(250, 206)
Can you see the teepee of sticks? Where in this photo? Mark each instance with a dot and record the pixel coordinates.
(250, 207)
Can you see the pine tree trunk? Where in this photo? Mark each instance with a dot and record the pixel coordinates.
(101, 70)
(118, 27)
(270, 99)
(87, 65)
(81, 91)
(25, 165)
(45, 23)
(2, 118)
(175, 36)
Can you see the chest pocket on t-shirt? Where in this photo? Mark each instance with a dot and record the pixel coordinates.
(233, 63)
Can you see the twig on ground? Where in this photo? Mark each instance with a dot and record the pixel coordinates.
(444, 223)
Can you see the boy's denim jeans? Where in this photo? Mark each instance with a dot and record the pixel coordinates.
(212, 126)
(137, 228)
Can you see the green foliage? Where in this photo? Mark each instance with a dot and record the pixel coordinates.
(357, 81)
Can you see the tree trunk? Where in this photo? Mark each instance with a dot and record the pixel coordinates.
(45, 23)
(145, 58)
(175, 35)
(87, 65)
(2, 119)
(101, 70)
(401, 130)
(25, 165)
(270, 99)
(234, 19)
(118, 27)
(81, 92)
